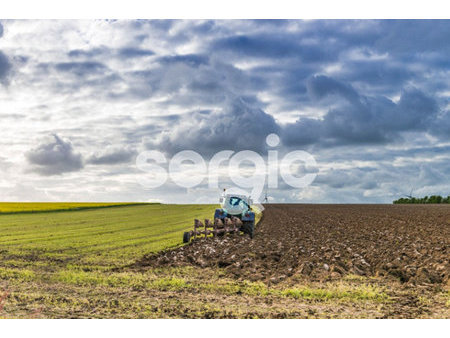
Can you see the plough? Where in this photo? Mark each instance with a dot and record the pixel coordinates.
(234, 216)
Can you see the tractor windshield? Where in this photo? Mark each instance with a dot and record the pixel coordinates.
(237, 201)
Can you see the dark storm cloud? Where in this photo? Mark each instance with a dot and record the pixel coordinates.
(270, 45)
(441, 126)
(192, 60)
(286, 82)
(377, 73)
(271, 22)
(382, 56)
(88, 53)
(5, 67)
(192, 80)
(54, 157)
(414, 36)
(338, 178)
(104, 52)
(130, 52)
(322, 86)
(382, 154)
(161, 25)
(413, 176)
(236, 126)
(354, 119)
(112, 156)
(361, 119)
(71, 77)
(257, 46)
(303, 132)
(5, 64)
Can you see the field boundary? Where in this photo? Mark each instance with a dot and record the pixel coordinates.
(81, 208)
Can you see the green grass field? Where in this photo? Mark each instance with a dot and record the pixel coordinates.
(53, 249)
(105, 236)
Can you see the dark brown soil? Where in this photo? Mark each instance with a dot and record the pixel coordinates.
(409, 243)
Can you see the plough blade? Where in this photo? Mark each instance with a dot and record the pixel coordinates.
(217, 228)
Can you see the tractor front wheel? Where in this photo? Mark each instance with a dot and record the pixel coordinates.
(186, 237)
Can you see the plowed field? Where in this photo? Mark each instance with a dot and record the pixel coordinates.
(410, 243)
(407, 245)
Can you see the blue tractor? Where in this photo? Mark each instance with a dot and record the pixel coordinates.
(237, 206)
(235, 215)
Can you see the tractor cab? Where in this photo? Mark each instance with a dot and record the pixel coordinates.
(235, 204)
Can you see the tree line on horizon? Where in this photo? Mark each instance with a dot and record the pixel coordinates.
(434, 199)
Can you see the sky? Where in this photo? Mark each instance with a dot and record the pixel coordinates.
(79, 100)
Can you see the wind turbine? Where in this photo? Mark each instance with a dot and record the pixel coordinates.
(266, 199)
(410, 194)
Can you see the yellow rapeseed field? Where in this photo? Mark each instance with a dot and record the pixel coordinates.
(16, 207)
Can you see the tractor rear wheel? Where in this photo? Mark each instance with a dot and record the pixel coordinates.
(248, 228)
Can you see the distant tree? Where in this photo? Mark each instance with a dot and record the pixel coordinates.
(434, 199)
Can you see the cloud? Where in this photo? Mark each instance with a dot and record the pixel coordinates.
(5, 67)
(189, 81)
(5, 64)
(54, 157)
(5, 165)
(321, 86)
(337, 179)
(112, 156)
(270, 45)
(104, 52)
(192, 60)
(130, 52)
(414, 36)
(81, 68)
(359, 119)
(303, 132)
(88, 53)
(378, 74)
(441, 126)
(236, 126)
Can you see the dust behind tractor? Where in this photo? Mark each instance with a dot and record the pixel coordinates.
(234, 216)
